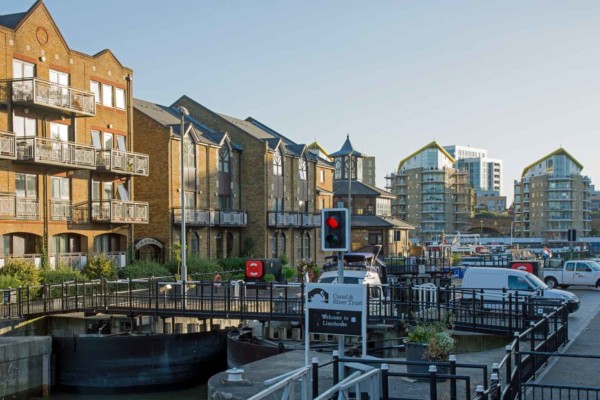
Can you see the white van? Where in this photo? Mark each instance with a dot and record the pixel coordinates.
(491, 281)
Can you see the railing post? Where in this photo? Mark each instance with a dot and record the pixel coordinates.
(494, 387)
(532, 336)
(130, 290)
(452, 359)
(511, 326)
(28, 299)
(432, 382)
(45, 297)
(76, 296)
(315, 377)
(20, 301)
(508, 372)
(62, 295)
(480, 392)
(385, 388)
(336, 367)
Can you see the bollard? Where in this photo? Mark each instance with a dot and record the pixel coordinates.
(432, 382)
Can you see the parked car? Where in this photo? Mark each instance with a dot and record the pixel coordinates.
(490, 282)
(574, 272)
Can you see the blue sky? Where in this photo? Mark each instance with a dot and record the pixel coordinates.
(519, 78)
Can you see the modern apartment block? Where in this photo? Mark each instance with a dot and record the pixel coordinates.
(432, 195)
(211, 168)
(551, 198)
(281, 185)
(66, 160)
(485, 175)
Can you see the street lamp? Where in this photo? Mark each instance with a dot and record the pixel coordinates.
(481, 229)
(511, 232)
(183, 112)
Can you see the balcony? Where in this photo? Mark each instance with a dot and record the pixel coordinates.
(60, 210)
(283, 219)
(111, 212)
(7, 145)
(13, 207)
(49, 95)
(123, 162)
(310, 220)
(45, 151)
(206, 217)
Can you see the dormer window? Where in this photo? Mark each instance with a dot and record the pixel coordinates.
(302, 172)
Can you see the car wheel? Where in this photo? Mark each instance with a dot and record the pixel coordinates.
(551, 282)
(598, 283)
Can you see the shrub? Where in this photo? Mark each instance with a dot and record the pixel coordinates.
(232, 264)
(99, 267)
(437, 338)
(9, 281)
(143, 269)
(23, 271)
(248, 247)
(201, 265)
(269, 278)
(62, 273)
(288, 273)
(238, 277)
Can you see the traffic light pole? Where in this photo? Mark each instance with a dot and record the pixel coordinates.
(340, 280)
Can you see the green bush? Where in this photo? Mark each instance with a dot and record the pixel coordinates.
(23, 271)
(238, 277)
(269, 278)
(143, 269)
(201, 265)
(9, 281)
(63, 273)
(99, 267)
(288, 273)
(232, 263)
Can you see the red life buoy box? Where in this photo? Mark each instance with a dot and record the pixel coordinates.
(254, 269)
(523, 266)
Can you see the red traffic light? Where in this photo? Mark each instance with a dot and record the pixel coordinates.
(332, 222)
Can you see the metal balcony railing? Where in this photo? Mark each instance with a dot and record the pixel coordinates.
(60, 210)
(311, 220)
(28, 209)
(56, 152)
(194, 217)
(7, 145)
(68, 100)
(120, 212)
(123, 162)
(231, 218)
(283, 219)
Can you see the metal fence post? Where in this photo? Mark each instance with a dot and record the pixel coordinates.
(385, 389)
(76, 296)
(452, 359)
(28, 298)
(432, 382)
(480, 393)
(315, 377)
(129, 290)
(336, 367)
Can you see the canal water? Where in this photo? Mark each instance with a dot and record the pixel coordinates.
(190, 393)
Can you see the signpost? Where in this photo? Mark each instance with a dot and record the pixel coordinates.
(335, 309)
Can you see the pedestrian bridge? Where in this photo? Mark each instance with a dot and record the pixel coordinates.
(403, 303)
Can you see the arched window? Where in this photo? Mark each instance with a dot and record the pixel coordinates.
(302, 170)
(277, 163)
(307, 245)
(224, 176)
(278, 181)
(224, 159)
(281, 245)
(189, 171)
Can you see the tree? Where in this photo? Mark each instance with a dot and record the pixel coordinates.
(99, 267)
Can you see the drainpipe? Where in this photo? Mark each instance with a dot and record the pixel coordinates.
(129, 79)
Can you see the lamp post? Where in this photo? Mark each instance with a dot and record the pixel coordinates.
(183, 112)
(481, 229)
(511, 232)
(350, 183)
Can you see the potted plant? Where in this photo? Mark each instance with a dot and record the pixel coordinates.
(428, 342)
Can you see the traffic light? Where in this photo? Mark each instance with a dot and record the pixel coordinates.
(335, 229)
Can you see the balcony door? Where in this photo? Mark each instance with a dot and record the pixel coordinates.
(59, 90)
(23, 90)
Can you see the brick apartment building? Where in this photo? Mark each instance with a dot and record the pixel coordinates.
(283, 185)
(214, 219)
(66, 165)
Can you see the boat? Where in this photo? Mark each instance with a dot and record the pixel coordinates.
(133, 361)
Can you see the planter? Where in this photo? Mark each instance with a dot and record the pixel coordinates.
(415, 352)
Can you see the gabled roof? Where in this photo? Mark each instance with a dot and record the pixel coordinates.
(248, 127)
(316, 146)
(171, 118)
(340, 188)
(12, 20)
(559, 151)
(271, 131)
(346, 150)
(432, 145)
(376, 221)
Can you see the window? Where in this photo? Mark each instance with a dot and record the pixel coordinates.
(26, 185)
(322, 176)
(22, 69)
(24, 127)
(102, 190)
(59, 131)
(120, 98)
(518, 283)
(95, 88)
(307, 245)
(277, 164)
(224, 160)
(302, 172)
(60, 188)
(107, 95)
